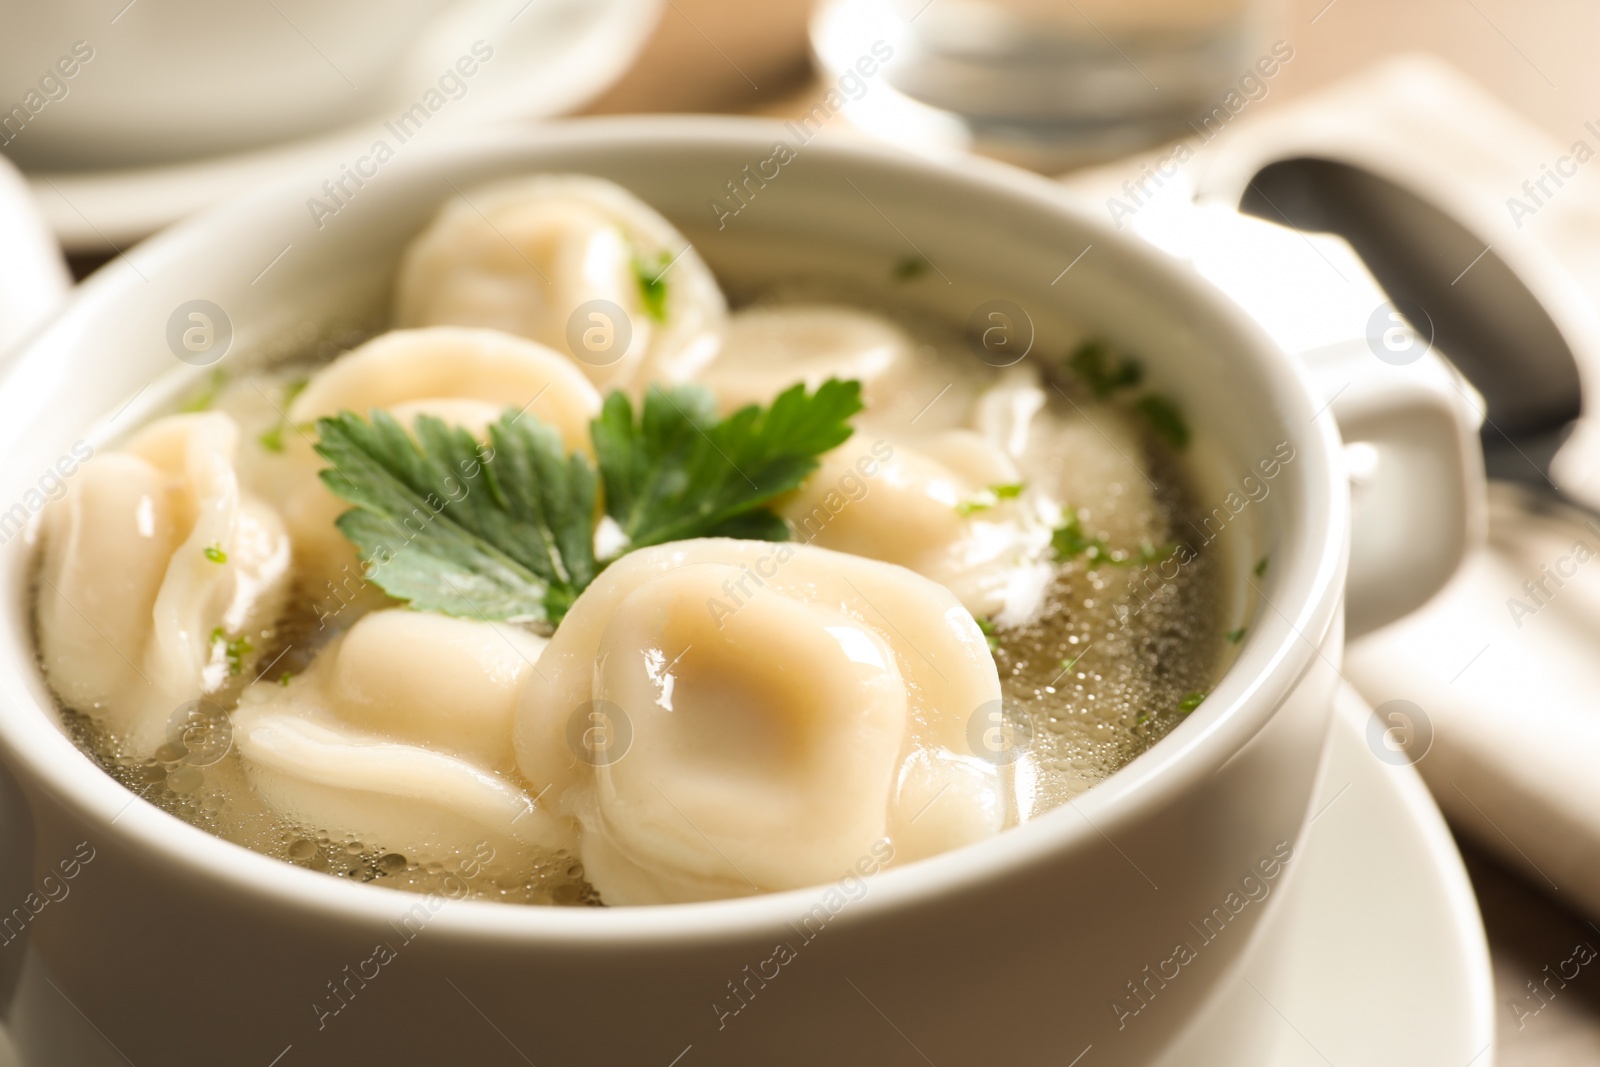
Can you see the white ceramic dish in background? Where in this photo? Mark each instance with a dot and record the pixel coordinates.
(1021, 941)
(550, 57)
(33, 277)
(113, 83)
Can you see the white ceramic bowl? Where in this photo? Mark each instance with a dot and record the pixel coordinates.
(182, 948)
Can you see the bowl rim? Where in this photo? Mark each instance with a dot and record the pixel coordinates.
(1309, 583)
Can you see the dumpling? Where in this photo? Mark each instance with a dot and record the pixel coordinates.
(768, 349)
(776, 712)
(463, 376)
(400, 734)
(948, 505)
(437, 370)
(157, 576)
(532, 256)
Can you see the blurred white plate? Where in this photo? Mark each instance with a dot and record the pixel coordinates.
(1377, 956)
(550, 58)
(33, 278)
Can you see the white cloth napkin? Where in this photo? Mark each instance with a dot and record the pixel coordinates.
(1505, 667)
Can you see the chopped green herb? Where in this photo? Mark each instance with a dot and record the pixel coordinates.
(1191, 701)
(651, 274)
(206, 395)
(283, 679)
(1093, 363)
(910, 268)
(1149, 553)
(215, 553)
(989, 498)
(1165, 419)
(1261, 566)
(1070, 541)
(508, 533)
(235, 648)
(1071, 662)
(1235, 636)
(1144, 717)
(272, 440)
(990, 633)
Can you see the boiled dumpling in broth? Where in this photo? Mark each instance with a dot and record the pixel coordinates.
(948, 505)
(768, 349)
(772, 713)
(554, 258)
(157, 572)
(466, 377)
(443, 369)
(399, 734)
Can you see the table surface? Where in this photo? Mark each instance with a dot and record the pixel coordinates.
(736, 56)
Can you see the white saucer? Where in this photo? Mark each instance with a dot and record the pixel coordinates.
(33, 278)
(551, 58)
(1377, 956)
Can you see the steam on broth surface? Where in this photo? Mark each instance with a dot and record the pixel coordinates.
(661, 645)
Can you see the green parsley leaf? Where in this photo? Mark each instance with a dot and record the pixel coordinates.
(1165, 419)
(215, 553)
(1092, 363)
(651, 274)
(1191, 701)
(507, 531)
(272, 440)
(675, 472)
(1235, 636)
(1261, 566)
(446, 528)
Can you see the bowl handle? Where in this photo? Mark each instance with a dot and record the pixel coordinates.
(1417, 491)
